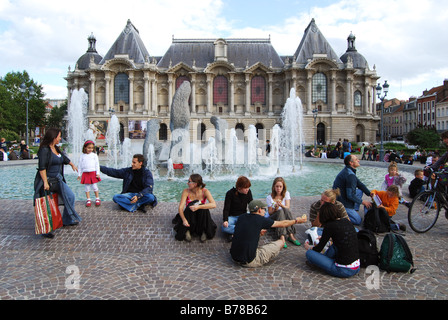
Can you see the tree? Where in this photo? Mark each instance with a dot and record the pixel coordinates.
(56, 116)
(13, 103)
(424, 137)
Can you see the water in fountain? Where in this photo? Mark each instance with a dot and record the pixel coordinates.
(77, 123)
(126, 153)
(113, 142)
(275, 148)
(291, 137)
(252, 147)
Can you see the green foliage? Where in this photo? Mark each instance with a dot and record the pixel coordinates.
(13, 103)
(9, 135)
(56, 116)
(424, 137)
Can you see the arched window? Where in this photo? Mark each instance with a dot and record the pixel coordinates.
(239, 131)
(258, 90)
(358, 99)
(163, 132)
(121, 88)
(319, 87)
(260, 131)
(201, 131)
(220, 88)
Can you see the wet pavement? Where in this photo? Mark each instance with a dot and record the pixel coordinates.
(113, 254)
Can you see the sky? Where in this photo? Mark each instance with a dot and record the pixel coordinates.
(405, 40)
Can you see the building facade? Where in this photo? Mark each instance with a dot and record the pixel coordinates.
(243, 81)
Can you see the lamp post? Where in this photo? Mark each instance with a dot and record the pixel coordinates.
(315, 112)
(378, 92)
(27, 97)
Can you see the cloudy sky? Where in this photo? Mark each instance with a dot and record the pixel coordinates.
(405, 39)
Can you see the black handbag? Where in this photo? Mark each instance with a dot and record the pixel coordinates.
(53, 183)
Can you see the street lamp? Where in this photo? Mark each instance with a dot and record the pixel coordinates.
(31, 93)
(315, 112)
(378, 92)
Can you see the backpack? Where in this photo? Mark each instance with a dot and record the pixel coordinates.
(377, 220)
(368, 250)
(395, 254)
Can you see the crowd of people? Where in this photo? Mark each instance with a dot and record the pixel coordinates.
(10, 150)
(336, 216)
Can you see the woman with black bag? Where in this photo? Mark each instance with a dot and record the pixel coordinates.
(50, 176)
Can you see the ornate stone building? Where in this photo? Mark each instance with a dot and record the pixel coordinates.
(243, 81)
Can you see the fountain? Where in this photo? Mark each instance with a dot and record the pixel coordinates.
(291, 137)
(77, 124)
(113, 141)
(223, 154)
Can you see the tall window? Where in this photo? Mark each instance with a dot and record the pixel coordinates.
(319, 87)
(163, 132)
(220, 89)
(258, 90)
(358, 99)
(121, 88)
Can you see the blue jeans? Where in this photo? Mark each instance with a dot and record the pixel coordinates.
(232, 222)
(353, 214)
(69, 214)
(326, 262)
(124, 200)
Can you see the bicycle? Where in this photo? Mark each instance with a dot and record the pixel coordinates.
(425, 208)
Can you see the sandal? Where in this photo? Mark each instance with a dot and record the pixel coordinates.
(97, 202)
(88, 203)
(296, 242)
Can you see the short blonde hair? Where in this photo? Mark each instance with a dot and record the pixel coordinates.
(332, 194)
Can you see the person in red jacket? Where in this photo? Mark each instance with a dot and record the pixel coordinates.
(389, 202)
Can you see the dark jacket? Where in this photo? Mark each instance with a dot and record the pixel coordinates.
(348, 182)
(44, 156)
(127, 175)
(236, 203)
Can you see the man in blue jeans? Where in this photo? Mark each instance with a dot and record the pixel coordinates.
(351, 189)
(137, 185)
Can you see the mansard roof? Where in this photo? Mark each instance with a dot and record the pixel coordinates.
(314, 42)
(240, 52)
(130, 43)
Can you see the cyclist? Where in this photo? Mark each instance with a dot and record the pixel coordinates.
(441, 163)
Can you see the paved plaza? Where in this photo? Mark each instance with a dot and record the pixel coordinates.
(134, 256)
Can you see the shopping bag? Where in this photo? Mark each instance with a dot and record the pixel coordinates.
(47, 215)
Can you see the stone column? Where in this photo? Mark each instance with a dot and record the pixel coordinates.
(247, 107)
(333, 92)
(131, 92)
(154, 97)
(193, 94)
(170, 91)
(209, 94)
(232, 94)
(309, 103)
(270, 111)
(92, 93)
(147, 93)
(107, 97)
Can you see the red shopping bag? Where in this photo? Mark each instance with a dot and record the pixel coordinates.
(47, 215)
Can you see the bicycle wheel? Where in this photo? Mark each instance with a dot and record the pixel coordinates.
(424, 211)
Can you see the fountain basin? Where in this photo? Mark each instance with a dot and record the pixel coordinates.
(311, 180)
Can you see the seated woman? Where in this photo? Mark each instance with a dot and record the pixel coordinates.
(235, 204)
(329, 196)
(51, 169)
(194, 214)
(342, 257)
(279, 209)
